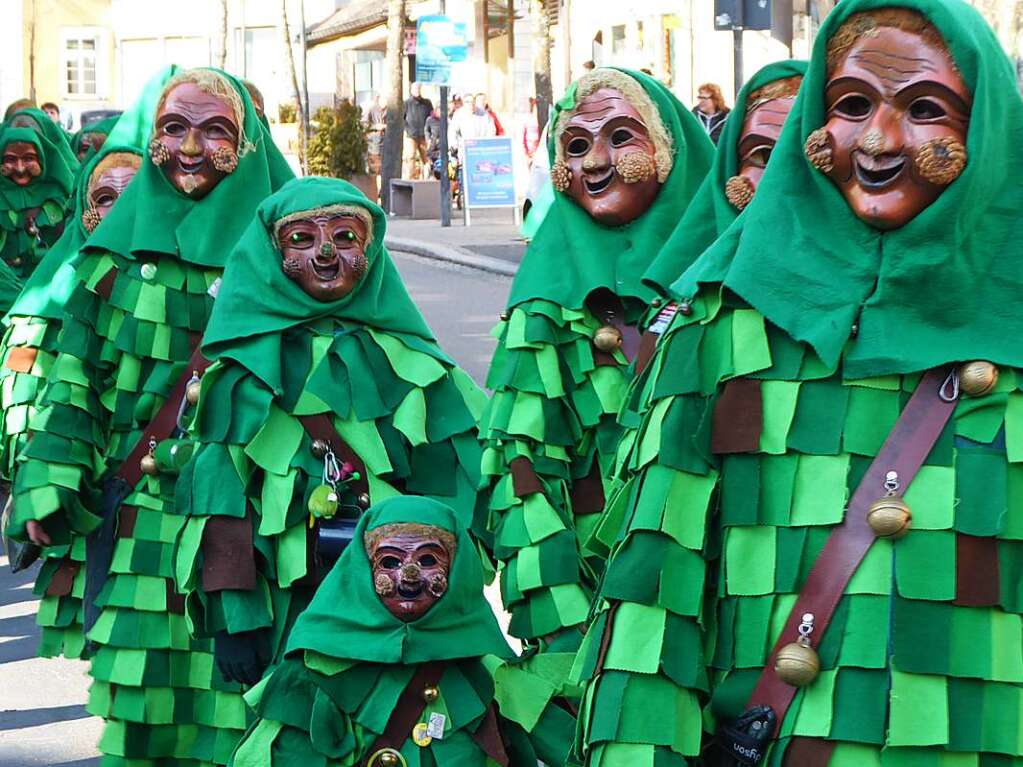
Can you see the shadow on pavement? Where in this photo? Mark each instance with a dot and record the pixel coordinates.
(13, 720)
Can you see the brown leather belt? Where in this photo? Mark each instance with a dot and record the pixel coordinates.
(410, 706)
(904, 451)
(320, 426)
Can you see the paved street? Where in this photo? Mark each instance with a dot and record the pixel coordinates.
(42, 717)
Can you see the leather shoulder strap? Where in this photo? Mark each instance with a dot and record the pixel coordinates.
(165, 420)
(904, 452)
(409, 708)
(320, 426)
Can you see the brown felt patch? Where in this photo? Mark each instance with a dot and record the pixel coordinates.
(106, 284)
(20, 359)
(978, 581)
(488, 738)
(63, 578)
(229, 560)
(738, 418)
(809, 752)
(524, 479)
(588, 493)
(127, 516)
(175, 601)
(647, 346)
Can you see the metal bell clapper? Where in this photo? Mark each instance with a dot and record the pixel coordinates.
(148, 462)
(978, 378)
(889, 516)
(797, 663)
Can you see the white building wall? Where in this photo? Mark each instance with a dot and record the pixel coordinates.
(12, 58)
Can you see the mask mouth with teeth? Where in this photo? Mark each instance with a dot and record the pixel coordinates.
(891, 144)
(324, 251)
(410, 567)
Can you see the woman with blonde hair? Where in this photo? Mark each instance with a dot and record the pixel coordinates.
(711, 110)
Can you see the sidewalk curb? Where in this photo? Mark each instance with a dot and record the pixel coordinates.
(451, 254)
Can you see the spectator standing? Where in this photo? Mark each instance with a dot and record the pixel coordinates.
(376, 124)
(530, 138)
(417, 110)
(710, 110)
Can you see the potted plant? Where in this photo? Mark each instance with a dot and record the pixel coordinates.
(338, 148)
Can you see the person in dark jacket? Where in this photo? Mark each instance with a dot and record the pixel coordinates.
(711, 110)
(417, 109)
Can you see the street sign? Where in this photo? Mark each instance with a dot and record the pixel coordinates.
(756, 14)
(488, 176)
(440, 42)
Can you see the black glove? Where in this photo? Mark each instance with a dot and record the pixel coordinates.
(745, 741)
(242, 657)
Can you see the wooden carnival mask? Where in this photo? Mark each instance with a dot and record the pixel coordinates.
(110, 178)
(897, 120)
(21, 164)
(411, 564)
(195, 141)
(324, 253)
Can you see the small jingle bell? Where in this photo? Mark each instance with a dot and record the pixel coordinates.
(363, 501)
(16, 261)
(388, 760)
(192, 392)
(889, 517)
(320, 447)
(978, 378)
(148, 465)
(607, 338)
(386, 757)
(323, 502)
(430, 694)
(797, 664)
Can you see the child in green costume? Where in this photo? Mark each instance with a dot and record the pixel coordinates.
(627, 159)
(37, 177)
(145, 286)
(879, 245)
(313, 322)
(398, 661)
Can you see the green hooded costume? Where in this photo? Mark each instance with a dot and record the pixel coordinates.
(718, 517)
(101, 127)
(350, 660)
(32, 217)
(550, 431)
(28, 350)
(368, 360)
(144, 292)
(710, 212)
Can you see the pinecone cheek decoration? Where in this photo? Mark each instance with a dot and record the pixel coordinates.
(940, 161)
(739, 192)
(819, 151)
(158, 152)
(225, 159)
(292, 267)
(561, 176)
(91, 219)
(635, 167)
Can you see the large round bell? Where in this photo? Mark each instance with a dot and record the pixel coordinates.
(797, 664)
(607, 338)
(148, 465)
(192, 392)
(889, 517)
(977, 378)
(323, 502)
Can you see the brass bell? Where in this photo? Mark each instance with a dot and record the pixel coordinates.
(192, 392)
(505, 316)
(430, 694)
(978, 378)
(320, 447)
(607, 338)
(388, 759)
(363, 501)
(148, 465)
(16, 261)
(889, 517)
(797, 662)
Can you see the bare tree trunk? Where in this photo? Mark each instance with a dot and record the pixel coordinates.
(542, 43)
(290, 56)
(222, 24)
(390, 166)
(32, 54)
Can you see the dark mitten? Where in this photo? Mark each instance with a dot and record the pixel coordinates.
(242, 657)
(745, 741)
(99, 548)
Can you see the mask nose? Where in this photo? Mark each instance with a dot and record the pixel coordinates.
(598, 159)
(190, 146)
(327, 250)
(410, 573)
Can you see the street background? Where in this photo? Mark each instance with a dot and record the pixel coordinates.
(42, 714)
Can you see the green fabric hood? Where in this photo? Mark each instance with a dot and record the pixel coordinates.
(258, 302)
(942, 288)
(347, 620)
(102, 127)
(156, 218)
(571, 255)
(53, 133)
(710, 212)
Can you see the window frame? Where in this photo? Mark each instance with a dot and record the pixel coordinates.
(69, 58)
